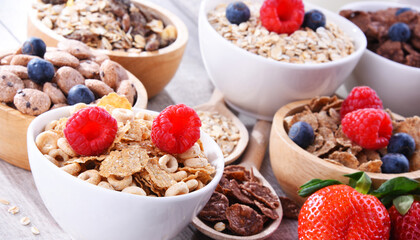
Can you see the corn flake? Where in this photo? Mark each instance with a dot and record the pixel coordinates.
(112, 101)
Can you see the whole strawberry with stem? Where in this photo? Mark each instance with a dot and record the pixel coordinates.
(405, 218)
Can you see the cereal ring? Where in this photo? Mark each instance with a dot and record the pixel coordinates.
(179, 176)
(177, 189)
(7, 59)
(31, 101)
(122, 115)
(89, 69)
(51, 126)
(31, 84)
(67, 77)
(112, 73)
(119, 183)
(58, 105)
(46, 141)
(98, 87)
(51, 159)
(106, 185)
(9, 86)
(196, 162)
(55, 94)
(22, 59)
(75, 48)
(134, 190)
(168, 163)
(192, 152)
(60, 59)
(77, 107)
(20, 71)
(192, 184)
(59, 155)
(73, 168)
(90, 176)
(200, 185)
(127, 90)
(64, 145)
(144, 116)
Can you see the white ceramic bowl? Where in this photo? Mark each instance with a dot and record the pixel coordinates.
(397, 85)
(86, 211)
(259, 86)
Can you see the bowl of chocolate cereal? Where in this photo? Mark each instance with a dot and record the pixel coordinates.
(317, 139)
(391, 63)
(129, 189)
(36, 79)
(270, 61)
(146, 39)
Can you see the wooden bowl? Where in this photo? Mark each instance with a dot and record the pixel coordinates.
(294, 166)
(13, 126)
(154, 69)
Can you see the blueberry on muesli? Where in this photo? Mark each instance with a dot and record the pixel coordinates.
(302, 134)
(314, 19)
(237, 12)
(402, 143)
(394, 163)
(80, 93)
(34, 46)
(40, 71)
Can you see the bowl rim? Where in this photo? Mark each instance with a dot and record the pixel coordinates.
(308, 6)
(179, 43)
(361, 5)
(298, 106)
(218, 163)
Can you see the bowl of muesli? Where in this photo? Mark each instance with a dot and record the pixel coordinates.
(132, 190)
(391, 63)
(332, 151)
(145, 38)
(263, 70)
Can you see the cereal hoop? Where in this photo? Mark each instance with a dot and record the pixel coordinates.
(154, 69)
(294, 166)
(13, 126)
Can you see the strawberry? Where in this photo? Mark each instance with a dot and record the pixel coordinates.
(405, 225)
(340, 212)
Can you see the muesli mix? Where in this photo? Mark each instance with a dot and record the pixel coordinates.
(107, 24)
(300, 39)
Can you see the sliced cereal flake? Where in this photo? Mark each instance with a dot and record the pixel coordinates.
(326, 121)
(25, 221)
(262, 194)
(334, 102)
(4, 201)
(371, 166)
(85, 159)
(13, 210)
(345, 158)
(355, 149)
(318, 143)
(115, 101)
(329, 141)
(158, 177)
(415, 161)
(270, 213)
(316, 104)
(138, 131)
(307, 117)
(125, 162)
(410, 126)
(335, 115)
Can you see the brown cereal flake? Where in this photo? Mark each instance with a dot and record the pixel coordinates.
(244, 220)
(307, 117)
(318, 103)
(333, 161)
(345, 158)
(138, 131)
(326, 121)
(269, 212)
(262, 194)
(159, 178)
(318, 143)
(125, 162)
(371, 166)
(415, 161)
(215, 209)
(410, 126)
(290, 208)
(335, 115)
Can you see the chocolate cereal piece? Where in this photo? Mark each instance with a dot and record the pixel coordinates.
(31, 84)
(127, 90)
(89, 69)
(9, 85)
(215, 209)
(261, 193)
(99, 88)
(236, 172)
(244, 220)
(75, 48)
(61, 58)
(31, 101)
(112, 73)
(238, 194)
(22, 59)
(20, 71)
(6, 59)
(290, 208)
(269, 212)
(67, 77)
(55, 94)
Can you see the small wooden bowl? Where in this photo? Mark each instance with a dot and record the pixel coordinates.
(154, 69)
(14, 124)
(294, 166)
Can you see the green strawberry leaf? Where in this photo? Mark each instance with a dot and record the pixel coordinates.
(403, 203)
(397, 186)
(360, 181)
(314, 185)
(387, 200)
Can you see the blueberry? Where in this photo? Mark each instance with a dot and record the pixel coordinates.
(399, 32)
(80, 94)
(34, 46)
(302, 134)
(402, 143)
(40, 70)
(314, 19)
(237, 12)
(394, 163)
(401, 10)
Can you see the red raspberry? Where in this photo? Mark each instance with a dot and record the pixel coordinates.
(176, 129)
(90, 131)
(370, 128)
(282, 16)
(360, 97)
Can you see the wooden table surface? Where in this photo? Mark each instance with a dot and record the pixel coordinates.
(191, 85)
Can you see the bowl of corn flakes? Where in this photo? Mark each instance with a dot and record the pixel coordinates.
(132, 189)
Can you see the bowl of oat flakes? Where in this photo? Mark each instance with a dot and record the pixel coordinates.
(332, 154)
(146, 39)
(132, 190)
(390, 66)
(262, 70)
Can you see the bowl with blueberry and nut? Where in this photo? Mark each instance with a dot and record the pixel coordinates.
(391, 63)
(327, 137)
(35, 79)
(146, 39)
(269, 60)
